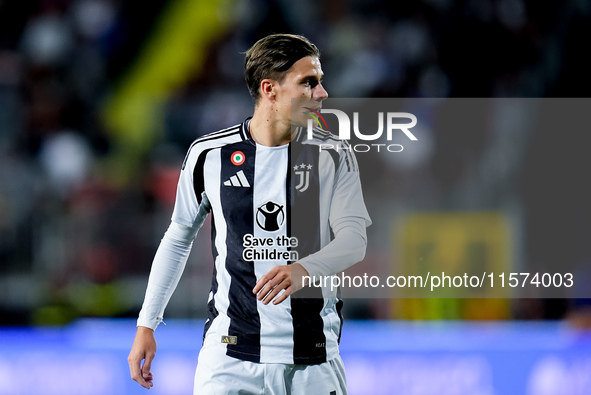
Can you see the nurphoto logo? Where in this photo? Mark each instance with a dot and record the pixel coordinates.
(388, 122)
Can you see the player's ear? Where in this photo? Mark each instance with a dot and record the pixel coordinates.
(268, 88)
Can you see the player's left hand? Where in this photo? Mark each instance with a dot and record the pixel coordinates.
(287, 278)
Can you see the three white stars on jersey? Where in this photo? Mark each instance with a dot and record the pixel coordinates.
(302, 167)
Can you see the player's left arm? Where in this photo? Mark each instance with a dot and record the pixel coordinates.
(348, 220)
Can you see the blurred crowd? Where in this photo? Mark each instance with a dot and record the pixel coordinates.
(76, 240)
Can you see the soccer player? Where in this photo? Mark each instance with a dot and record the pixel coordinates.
(282, 208)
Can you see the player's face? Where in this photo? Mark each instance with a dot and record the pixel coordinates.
(303, 81)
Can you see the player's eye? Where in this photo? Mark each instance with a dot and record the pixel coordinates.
(312, 83)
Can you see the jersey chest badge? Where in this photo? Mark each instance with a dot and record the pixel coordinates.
(270, 216)
(302, 171)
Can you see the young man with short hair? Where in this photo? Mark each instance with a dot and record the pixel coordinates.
(282, 208)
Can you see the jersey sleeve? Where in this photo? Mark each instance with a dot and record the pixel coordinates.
(167, 267)
(348, 219)
(191, 208)
(347, 197)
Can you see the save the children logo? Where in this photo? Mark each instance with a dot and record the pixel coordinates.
(270, 216)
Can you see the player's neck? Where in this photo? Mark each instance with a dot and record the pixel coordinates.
(269, 131)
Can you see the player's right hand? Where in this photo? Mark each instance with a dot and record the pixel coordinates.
(143, 349)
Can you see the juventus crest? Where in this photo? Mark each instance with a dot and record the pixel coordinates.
(303, 173)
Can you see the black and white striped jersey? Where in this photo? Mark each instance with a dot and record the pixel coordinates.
(270, 206)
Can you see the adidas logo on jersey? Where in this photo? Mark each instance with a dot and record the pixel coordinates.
(237, 180)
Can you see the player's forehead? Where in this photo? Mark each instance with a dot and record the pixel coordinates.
(306, 67)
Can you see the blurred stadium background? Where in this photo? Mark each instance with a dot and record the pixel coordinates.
(99, 100)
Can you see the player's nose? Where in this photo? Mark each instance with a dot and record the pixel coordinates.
(319, 92)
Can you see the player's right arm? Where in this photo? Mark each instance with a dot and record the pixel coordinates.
(167, 267)
(143, 349)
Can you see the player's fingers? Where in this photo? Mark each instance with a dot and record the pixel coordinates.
(267, 297)
(273, 287)
(267, 288)
(274, 276)
(135, 370)
(147, 363)
(263, 280)
(146, 373)
(283, 296)
(275, 291)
